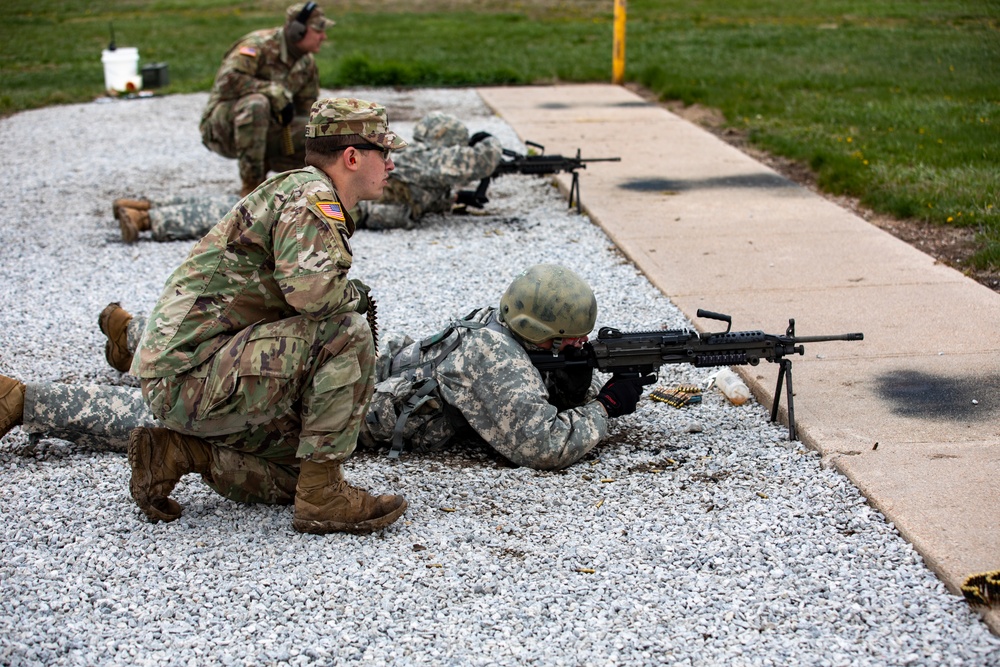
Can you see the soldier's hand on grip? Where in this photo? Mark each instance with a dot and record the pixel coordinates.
(620, 395)
(364, 291)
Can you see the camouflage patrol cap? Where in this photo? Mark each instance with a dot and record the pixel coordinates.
(317, 20)
(341, 116)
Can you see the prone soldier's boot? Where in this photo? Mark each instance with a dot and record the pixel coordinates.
(140, 204)
(113, 322)
(11, 404)
(325, 503)
(131, 221)
(159, 457)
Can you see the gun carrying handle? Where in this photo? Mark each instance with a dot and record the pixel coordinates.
(708, 314)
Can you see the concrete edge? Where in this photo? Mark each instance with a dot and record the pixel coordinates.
(765, 396)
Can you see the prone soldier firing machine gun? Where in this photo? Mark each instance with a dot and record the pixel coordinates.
(641, 353)
(515, 163)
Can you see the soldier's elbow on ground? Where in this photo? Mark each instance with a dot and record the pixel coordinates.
(541, 461)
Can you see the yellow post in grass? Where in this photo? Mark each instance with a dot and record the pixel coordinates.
(618, 48)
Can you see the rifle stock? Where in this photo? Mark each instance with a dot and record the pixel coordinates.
(639, 353)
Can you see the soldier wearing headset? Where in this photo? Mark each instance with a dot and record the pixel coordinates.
(262, 95)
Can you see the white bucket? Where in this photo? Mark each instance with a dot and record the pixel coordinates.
(121, 69)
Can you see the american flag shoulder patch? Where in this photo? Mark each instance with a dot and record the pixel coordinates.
(248, 51)
(331, 209)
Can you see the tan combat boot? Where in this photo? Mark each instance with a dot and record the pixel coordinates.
(11, 404)
(113, 322)
(131, 221)
(139, 204)
(159, 457)
(325, 503)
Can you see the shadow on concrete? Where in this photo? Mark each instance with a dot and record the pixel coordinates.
(661, 185)
(618, 105)
(918, 394)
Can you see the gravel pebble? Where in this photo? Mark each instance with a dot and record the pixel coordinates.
(692, 536)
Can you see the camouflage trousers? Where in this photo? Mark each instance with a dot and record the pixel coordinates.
(286, 390)
(276, 393)
(98, 417)
(101, 417)
(186, 218)
(245, 129)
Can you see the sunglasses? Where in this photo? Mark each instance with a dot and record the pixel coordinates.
(372, 147)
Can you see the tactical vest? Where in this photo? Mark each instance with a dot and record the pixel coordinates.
(407, 408)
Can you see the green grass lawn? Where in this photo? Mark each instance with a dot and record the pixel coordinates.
(894, 102)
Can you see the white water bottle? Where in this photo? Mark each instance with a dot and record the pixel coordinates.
(732, 386)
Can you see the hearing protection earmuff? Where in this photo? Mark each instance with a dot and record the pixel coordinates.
(297, 28)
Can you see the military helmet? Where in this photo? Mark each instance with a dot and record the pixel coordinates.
(548, 301)
(440, 129)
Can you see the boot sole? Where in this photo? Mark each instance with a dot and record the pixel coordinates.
(139, 444)
(326, 527)
(105, 315)
(113, 353)
(130, 234)
(122, 365)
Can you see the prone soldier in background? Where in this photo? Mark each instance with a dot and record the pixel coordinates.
(173, 219)
(260, 101)
(441, 157)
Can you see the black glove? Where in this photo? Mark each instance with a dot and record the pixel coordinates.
(287, 114)
(620, 395)
(477, 137)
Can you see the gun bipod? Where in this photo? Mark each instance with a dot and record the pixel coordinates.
(785, 369)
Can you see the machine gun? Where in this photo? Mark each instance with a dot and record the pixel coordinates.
(516, 163)
(640, 353)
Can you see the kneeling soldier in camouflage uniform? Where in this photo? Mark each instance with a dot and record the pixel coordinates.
(474, 379)
(256, 358)
(262, 94)
(440, 158)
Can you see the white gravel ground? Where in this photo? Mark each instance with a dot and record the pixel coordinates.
(692, 537)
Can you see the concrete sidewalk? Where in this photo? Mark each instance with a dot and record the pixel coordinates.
(910, 414)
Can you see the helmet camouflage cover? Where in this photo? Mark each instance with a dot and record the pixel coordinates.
(548, 301)
(440, 129)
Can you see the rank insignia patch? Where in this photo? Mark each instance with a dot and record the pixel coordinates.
(248, 51)
(331, 209)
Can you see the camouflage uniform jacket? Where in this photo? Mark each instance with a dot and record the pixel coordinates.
(485, 381)
(256, 61)
(429, 172)
(282, 251)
